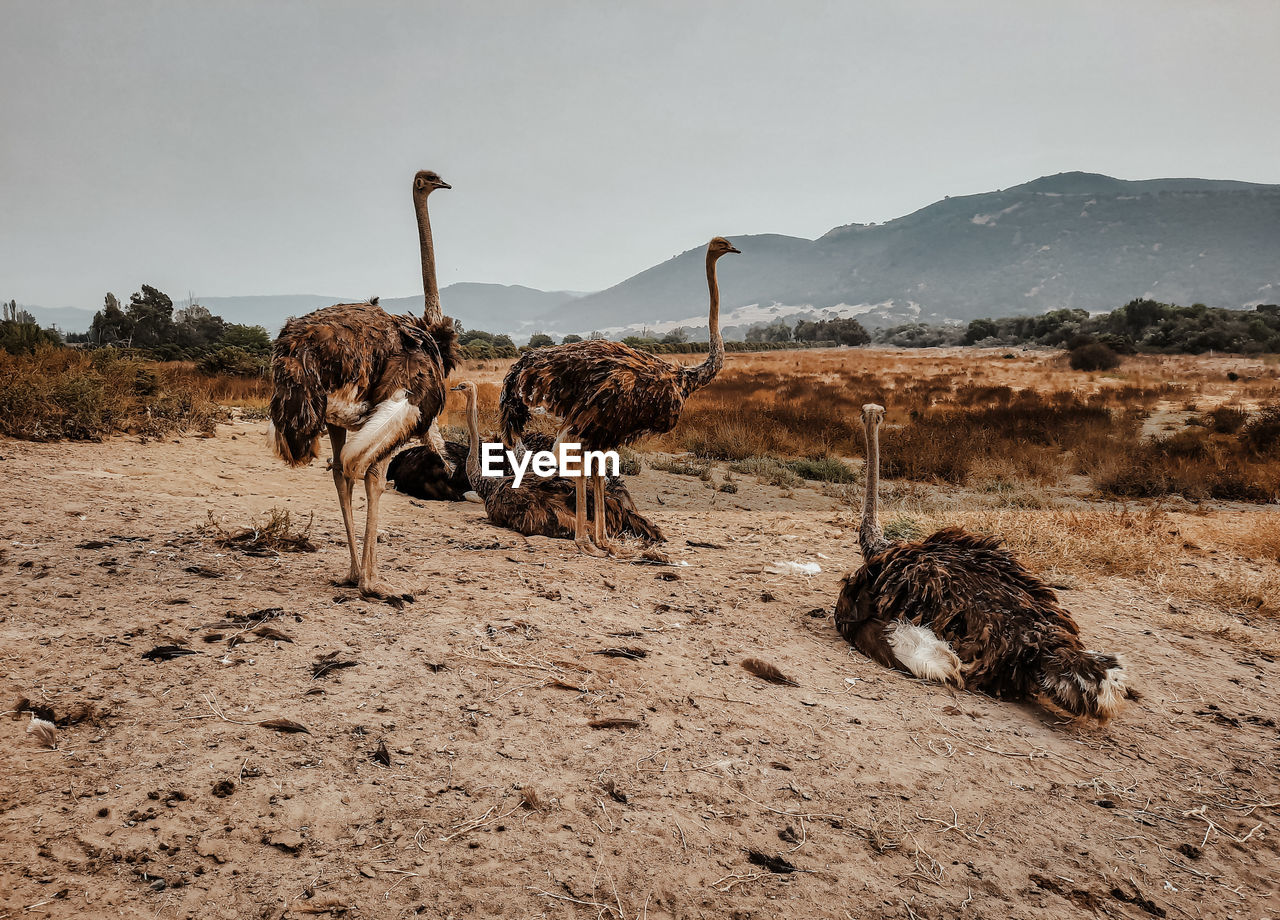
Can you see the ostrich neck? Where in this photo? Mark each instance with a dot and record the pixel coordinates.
(870, 533)
(431, 311)
(700, 375)
(473, 441)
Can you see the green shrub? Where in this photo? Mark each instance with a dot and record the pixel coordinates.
(1093, 357)
(768, 469)
(823, 469)
(234, 361)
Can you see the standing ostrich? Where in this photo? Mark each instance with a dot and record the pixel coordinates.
(358, 370)
(608, 394)
(959, 608)
(546, 507)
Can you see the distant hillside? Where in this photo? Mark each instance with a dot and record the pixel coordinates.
(67, 319)
(1078, 240)
(495, 307)
(492, 307)
(1071, 240)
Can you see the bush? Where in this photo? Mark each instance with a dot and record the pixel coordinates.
(64, 393)
(1225, 419)
(1261, 435)
(234, 361)
(823, 469)
(1093, 357)
(767, 469)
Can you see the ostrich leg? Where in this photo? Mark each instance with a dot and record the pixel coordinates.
(436, 441)
(375, 483)
(601, 519)
(580, 536)
(337, 438)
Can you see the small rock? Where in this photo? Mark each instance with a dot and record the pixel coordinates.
(214, 849)
(289, 841)
(367, 872)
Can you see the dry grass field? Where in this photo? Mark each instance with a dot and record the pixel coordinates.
(541, 734)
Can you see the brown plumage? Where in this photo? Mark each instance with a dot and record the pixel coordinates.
(371, 379)
(959, 607)
(609, 394)
(769, 672)
(545, 507)
(418, 471)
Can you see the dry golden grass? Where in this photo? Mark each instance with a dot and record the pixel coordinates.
(64, 393)
(1223, 564)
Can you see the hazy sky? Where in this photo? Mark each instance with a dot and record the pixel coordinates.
(268, 147)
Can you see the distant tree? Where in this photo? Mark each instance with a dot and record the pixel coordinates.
(676, 336)
(571, 338)
(475, 335)
(20, 337)
(111, 325)
(250, 338)
(979, 330)
(596, 335)
(16, 314)
(777, 331)
(847, 331)
(151, 311)
(540, 340)
(503, 341)
(195, 327)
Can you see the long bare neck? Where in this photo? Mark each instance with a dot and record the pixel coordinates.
(473, 441)
(697, 377)
(870, 533)
(431, 310)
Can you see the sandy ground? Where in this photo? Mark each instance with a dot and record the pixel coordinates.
(890, 797)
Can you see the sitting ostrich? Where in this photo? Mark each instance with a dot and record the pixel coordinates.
(608, 394)
(546, 507)
(357, 370)
(959, 608)
(419, 471)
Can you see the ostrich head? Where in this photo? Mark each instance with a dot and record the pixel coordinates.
(427, 181)
(872, 415)
(463, 387)
(719, 246)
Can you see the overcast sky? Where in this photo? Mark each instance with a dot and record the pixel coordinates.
(268, 147)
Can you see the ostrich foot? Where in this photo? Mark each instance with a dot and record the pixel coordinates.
(615, 550)
(380, 590)
(351, 581)
(586, 547)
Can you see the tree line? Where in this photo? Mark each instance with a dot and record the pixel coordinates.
(1141, 325)
(148, 324)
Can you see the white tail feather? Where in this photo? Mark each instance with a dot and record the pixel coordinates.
(387, 428)
(922, 653)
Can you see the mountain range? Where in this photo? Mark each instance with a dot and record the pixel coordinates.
(1075, 239)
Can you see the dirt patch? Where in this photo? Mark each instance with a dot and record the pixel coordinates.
(482, 761)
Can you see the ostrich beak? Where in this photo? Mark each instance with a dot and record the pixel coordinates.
(734, 249)
(457, 388)
(444, 184)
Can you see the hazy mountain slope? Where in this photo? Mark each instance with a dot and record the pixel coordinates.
(268, 310)
(1076, 240)
(67, 319)
(493, 307)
